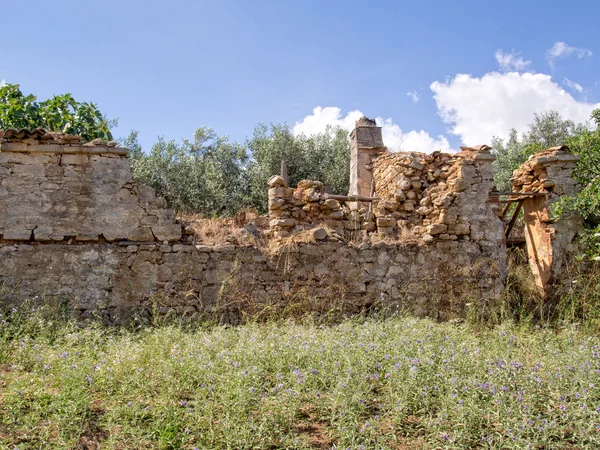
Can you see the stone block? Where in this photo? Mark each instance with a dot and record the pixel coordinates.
(319, 234)
(462, 228)
(76, 159)
(276, 203)
(42, 233)
(286, 223)
(331, 204)
(276, 181)
(17, 234)
(167, 232)
(280, 192)
(141, 234)
(437, 228)
(384, 222)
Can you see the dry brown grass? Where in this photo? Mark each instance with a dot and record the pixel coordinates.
(246, 227)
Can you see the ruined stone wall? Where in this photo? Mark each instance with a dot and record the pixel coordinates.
(114, 280)
(73, 224)
(58, 189)
(438, 196)
(547, 176)
(421, 197)
(292, 210)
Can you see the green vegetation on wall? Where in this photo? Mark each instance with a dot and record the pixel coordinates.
(60, 113)
(213, 176)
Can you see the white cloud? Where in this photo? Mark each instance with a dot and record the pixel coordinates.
(511, 61)
(2, 83)
(479, 108)
(417, 141)
(393, 136)
(572, 85)
(414, 96)
(321, 117)
(562, 50)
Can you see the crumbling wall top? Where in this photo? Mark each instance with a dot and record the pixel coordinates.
(54, 188)
(42, 141)
(365, 122)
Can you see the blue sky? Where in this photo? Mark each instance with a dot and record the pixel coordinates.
(472, 68)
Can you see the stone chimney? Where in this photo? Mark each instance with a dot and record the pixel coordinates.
(366, 144)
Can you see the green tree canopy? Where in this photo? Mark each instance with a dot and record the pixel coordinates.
(60, 113)
(547, 130)
(213, 176)
(586, 143)
(324, 157)
(204, 175)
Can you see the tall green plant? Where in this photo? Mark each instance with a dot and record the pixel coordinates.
(204, 175)
(547, 130)
(60, 113)
(324, 157)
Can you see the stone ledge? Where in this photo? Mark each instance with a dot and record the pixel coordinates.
(19, 147)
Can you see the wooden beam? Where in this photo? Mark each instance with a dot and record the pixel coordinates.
(284, 171)
(505, 210)
(522, 194)
(350, 198)
(513, 219)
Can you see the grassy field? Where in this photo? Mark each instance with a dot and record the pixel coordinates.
(393, 383)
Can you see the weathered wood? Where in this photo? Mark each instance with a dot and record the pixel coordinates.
(505, 210)
(513, 219)
(522, 194)
(514, 199)
(284, 171)
(350, 198)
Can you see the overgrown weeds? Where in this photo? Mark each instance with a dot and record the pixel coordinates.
(365, 383)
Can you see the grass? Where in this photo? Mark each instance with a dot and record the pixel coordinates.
(394, 383)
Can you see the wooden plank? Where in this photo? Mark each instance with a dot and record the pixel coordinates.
(513, 219)
(284, 171)
(350, 198)
(505, 210)
(522, 194)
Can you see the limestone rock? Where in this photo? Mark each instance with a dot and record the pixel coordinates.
(319, 234)
(276, 181)
(437, 228)
(167, 232)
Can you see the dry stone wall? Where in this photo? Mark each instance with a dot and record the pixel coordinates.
(58, 189)
(114, 280)
(292, 210)
(544, 178)
(423, 197)
(438, 196)
(75, 225)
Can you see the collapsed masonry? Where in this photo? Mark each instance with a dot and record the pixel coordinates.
(436, 199)
(544, 178)
(416, 231)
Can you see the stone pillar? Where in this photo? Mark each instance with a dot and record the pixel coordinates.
(548, 172)
(366, 144)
